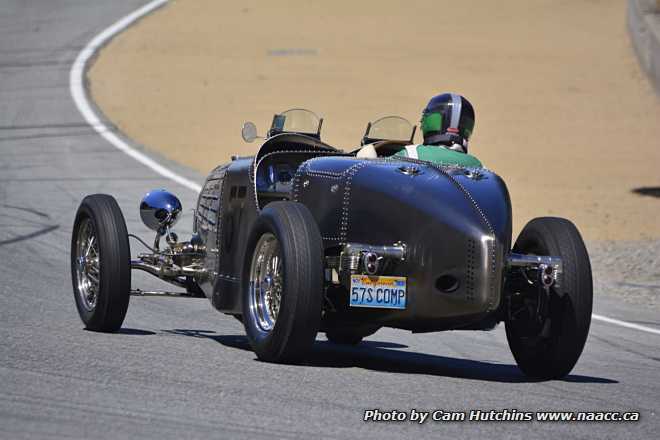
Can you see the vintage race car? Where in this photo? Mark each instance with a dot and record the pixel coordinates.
(305, 238)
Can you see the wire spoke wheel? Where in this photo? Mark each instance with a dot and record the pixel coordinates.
(100, 263)
(87, 264)
(266, 282)
(282, 282)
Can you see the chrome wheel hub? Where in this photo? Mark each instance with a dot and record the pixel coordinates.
(87, 264)
(266, 282)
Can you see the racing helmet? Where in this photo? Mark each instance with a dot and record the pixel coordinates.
(448, 119)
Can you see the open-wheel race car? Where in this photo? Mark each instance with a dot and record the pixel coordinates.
(305, 238)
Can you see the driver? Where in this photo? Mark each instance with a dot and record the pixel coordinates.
(447, 124)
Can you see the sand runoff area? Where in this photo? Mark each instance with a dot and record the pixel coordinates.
(564, 113)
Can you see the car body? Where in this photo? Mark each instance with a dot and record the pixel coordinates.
(375, 202)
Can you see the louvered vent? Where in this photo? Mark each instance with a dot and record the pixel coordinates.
(471, 259)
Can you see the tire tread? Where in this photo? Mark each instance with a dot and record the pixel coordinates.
(561, 238)
(302, 248)
(114, 249)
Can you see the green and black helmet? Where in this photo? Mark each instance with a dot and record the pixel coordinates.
(448, 119)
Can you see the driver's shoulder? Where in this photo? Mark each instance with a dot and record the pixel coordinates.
(439, 155)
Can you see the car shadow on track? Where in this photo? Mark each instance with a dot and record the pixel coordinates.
(383, 357)
(135, 332)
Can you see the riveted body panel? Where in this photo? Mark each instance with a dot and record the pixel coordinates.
(453, 221)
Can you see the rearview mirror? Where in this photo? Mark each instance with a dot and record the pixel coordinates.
(249, 131)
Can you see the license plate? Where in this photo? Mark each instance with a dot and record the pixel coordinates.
(378, 292)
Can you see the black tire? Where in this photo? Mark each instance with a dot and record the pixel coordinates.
(301, 251)
(113, 267)
(554, 353)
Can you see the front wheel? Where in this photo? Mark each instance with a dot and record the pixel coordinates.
(100, 263)
(283, 282)
(547, 345)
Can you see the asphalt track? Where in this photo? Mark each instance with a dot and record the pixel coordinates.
(178, 369)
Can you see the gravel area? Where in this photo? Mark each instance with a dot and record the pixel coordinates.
(627, 269)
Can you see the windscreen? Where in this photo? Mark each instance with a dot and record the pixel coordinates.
(392, 128)
(296, 120)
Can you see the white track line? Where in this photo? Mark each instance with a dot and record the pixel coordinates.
(79, 93)
(625, 324)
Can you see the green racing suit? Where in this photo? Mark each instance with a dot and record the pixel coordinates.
(440, 155)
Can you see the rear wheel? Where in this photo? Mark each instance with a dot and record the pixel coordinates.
(283, 282)
(547, 332)
(100, 263)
